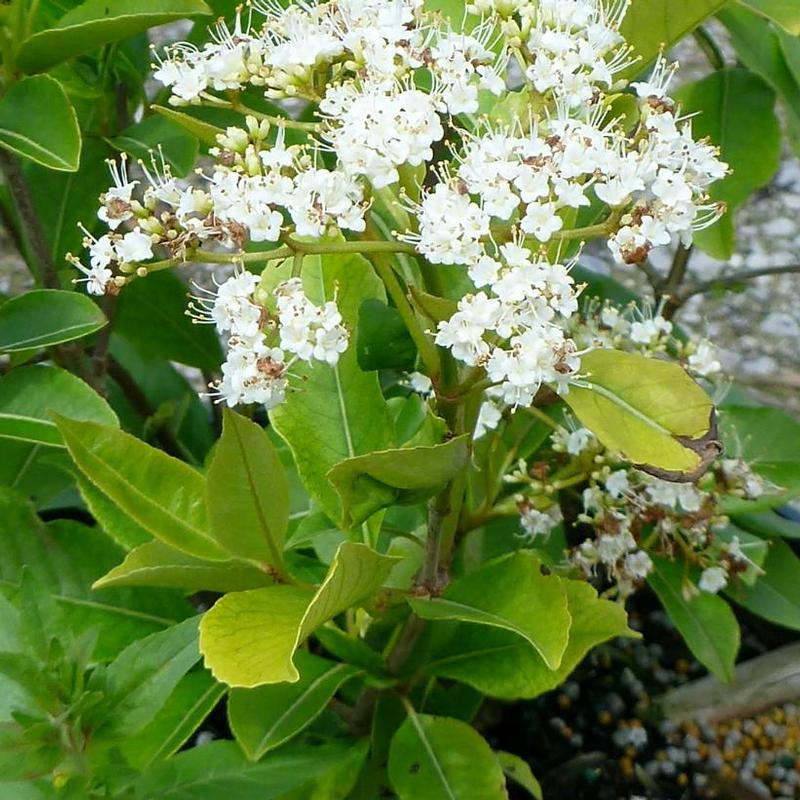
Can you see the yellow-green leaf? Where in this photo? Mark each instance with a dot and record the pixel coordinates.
(648, 410)
(249, 638)
(405, 476)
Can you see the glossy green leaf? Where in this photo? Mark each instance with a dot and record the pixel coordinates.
(98, 22)
(28, 396)
(648, 410)
(438, 758)
(220, 771)
(518, 770)
(141, 678)
(151, 315)
(775, 595)
(265, 717)
(46, 317)
(157, 564)
(654, 25)
(497, 663)
(768, 523)
(706, 621)
(37, 121)
(159, 137)
(67, 557)
(735, 109)
(766, 438)
(383, 341)
(785, 13)
(191, 701)
(248, 493)
(249, 638)
(502, 594)
(406, 476)
(163, 495)
(763, 49)
(337, 412)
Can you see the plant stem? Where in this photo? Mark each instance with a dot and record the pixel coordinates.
(709, 47)
(671, 286)
(31, 224)
(285, 122)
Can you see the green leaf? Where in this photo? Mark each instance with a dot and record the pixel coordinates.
(735, 109)
(405, 476)
(203, 131)
(648, 410)
(126, 532)
(190, 703)
(338, 412)
(383, 341)
(249, 638)
(46, 317)
(763, 49)
(519, 771)
(163, 495)
(247, 493)
(502, 594)
(776, 595)
(151, 315)
(651, 26)
(157, 137)
(766, 438)
(37, 121)
(438, 758)
(497, 663)
(220, 771)
(706, 622)
(28, 395)
(265, 717)
(785, 13)
(157, 564)
(141, 678)
(768, 523)
(67, 557)
(655, 25)
(98, 22)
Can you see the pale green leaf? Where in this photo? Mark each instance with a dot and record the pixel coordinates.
(504, 594)
(248, 493)
(159, 137)
(404, 476)
(439, 758)
(163, 495)
(157, 564)
(650, 411)
(28, 396)
(265, 717)
(706, 621)
(497, 663)
(46, 317)
(249, 638)
(37, 121)
(337, 412)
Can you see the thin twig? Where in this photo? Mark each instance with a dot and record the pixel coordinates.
(674, 281)
(31, 224)
(733, 279)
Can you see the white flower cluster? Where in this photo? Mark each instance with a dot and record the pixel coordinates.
(256, 369)
(515, 331)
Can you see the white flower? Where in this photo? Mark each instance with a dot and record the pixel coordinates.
(488, 418)
(539, 523)
(638, 565)
(617, 483)
(704, 361)
(134, 246)
(713, 579)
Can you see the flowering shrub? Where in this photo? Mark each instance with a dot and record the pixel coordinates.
(456, 452)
